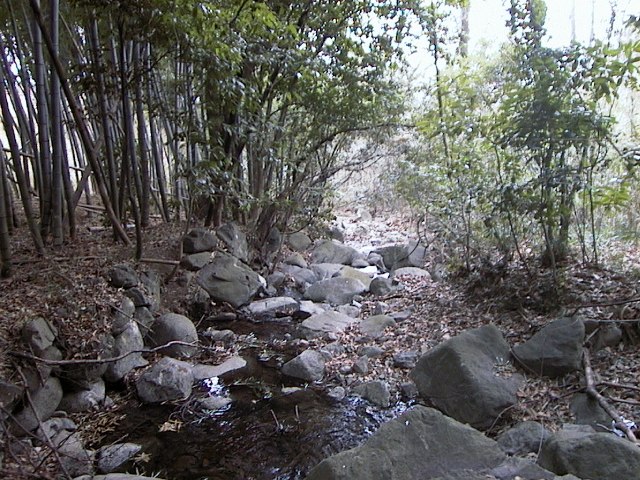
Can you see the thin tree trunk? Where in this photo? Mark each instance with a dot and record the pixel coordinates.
(145, 187)
(56, 134)
(82, 127)
(5, 246)
(17, 164)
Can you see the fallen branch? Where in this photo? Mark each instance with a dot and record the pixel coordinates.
(100, 361)
(159, 261)
(592, 392)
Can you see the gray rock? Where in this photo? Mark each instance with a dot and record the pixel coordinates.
(393, 256)
(587, 411)
(129, 343)
(519, 468)
(224, 336)
(112, 458)
(10, 394)
(523, 438)
(309, 366)
(38, 334)
(84, 400)
(411, 272)
(169, 379)
(328, 251)
(122, 276)
(374, 326)
(122, 316)
(321, 324)
(199, 240)
(195, 261)
(309, 308)
(116, 476)
(337, 291)
(350, 310)
(75, 459)
(273, 307)
(361, 365)
(298, 241)
(381, 286)
(459, 377)
(214, 403)
(51, 428)
(302, 277)
(359, 263)
(172, 327)
(376, 391)
(276, 279)
(152, 285)
(227, 280)
(337, 394)
(44, 401)
(334, 349)
(371, 351)
(408, 390)
(609, 335)
(336, 233)
(376, 260)
(235, 240)
(405, 359)
(297, 260)
(350, 272)
(555, 350)
(144, 319)
(140, 297)
(420, 444)
(326, 270)
(232, 364)
(601, 456)
(82, 376)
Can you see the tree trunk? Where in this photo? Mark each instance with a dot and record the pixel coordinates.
(56, 135)
(145, 188)
(5, 252)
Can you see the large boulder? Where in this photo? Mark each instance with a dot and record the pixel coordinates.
(122, 276)
(420, 444)
(337, 290)
(524, 438)
(128, 343)
(309, 366)
(461, 377)
(169, 379)
(195, 261)
(225, 279)
(600, 456)
(199, 240)
(172, 327)
(325, 324)
(555, 350)
(84, 400)
(235, 240)
(328, 251)
(357, 274)
(298, 241)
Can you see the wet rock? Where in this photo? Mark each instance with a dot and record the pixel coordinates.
(112, 458)
(169, 379)
(411, 272)
(328, 251)
(172, 327)
(361, 365)
(555, 350)
(235, 240)
(273, 307)
(458, 377)
(350, 272)
(227, 280)
(199, 240)
(38, 334)
(128, 343)
(374, 326)
(297, 260)
(381, 286)
(405, 359)
(523, 438)
(376, 391)
(122, 276)
(309, 366)
(337, 291)
(214, 403)
(587, 411)
(420, 444)
(299, 241)
(590, 455)
(84, 400)
(195, 261)
(44, 401)
(232, 364)
(325, 323)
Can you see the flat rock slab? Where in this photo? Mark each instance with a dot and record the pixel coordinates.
(273, 307)
(336, 291)
(374, 326)
(411, 272)
(420, 444)
(232, 364)
(324, 323)
(555, 350)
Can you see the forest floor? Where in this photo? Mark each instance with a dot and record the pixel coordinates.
(69, 288)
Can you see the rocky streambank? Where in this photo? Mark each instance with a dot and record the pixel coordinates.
(318, 351)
